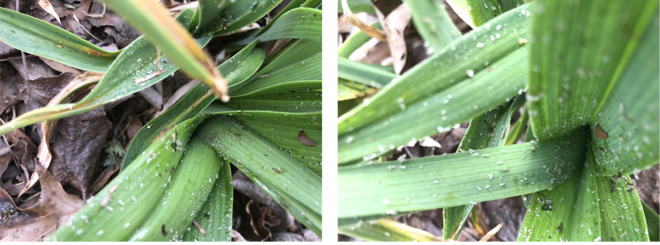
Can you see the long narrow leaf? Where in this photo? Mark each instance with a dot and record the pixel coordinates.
(264, 162)
(37, 37)
(215, 216)
(480, 175)
(624, 136)
(433, 114)
(371, 75)
(184, 195)
(495, 124)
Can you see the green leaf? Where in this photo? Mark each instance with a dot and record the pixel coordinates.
(518, 128)
(621, 213)
(372, 75)
(296, 51)
(264, 162)
(481, 11)
(237, 69)
(290, 6)
(208, 13)
(297, 96)
(387, 230)
(434, 114)
(215, 217)
(37, 37)
(299, 23)
(492, 74)
(284, 129)
(630, 117)
(425, 183)
(590, 208)
(576, 62)
(651, 222)
(154, 21)
(307, 69)
(433, 23)
(358, 6)
(241, 14)
(354, 42)
(184, 195)
(495, 124)
(573, 214)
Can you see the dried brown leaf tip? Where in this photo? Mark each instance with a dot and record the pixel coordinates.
(600, 133)
(302, 137)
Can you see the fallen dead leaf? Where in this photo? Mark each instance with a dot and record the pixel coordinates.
(262, 219)
(75, 86)
(394, 25)
(35, 222)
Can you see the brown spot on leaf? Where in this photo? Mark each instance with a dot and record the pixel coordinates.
(600, 133)
(302, 137)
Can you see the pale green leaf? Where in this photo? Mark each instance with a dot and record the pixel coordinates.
(479, 175)
(264, 162)
(575, 62)
(215, 217)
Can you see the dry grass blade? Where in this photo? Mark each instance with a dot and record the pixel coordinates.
(491, 233)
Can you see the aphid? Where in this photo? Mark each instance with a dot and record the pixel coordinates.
(277, 170)
(547, 202)
(162, 229)
(615, 178)
(560, 228)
